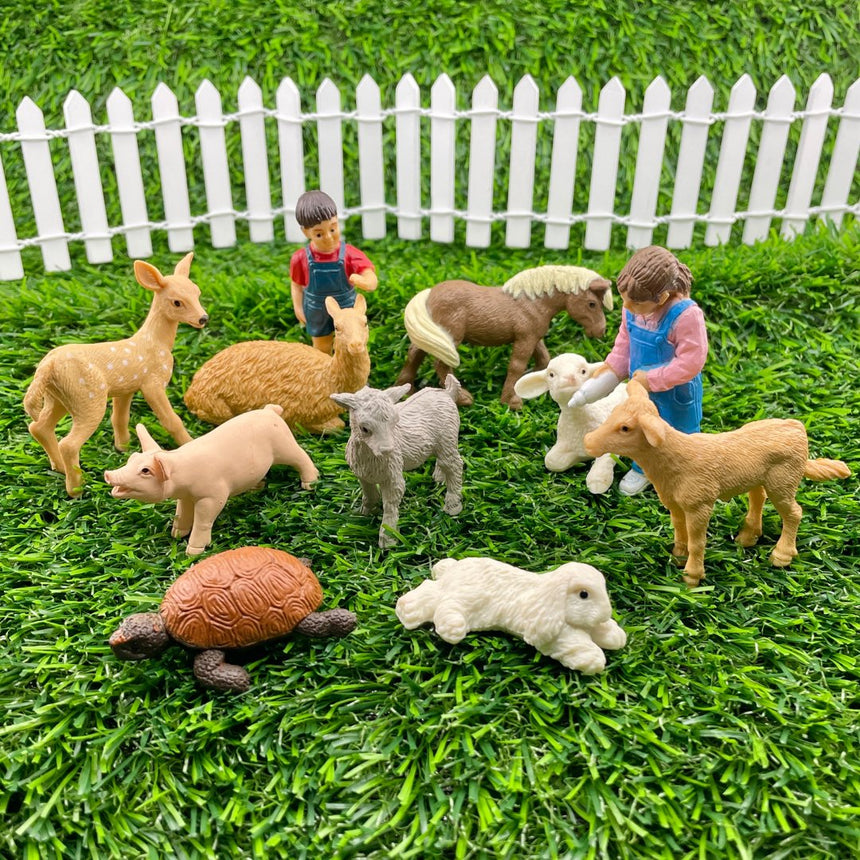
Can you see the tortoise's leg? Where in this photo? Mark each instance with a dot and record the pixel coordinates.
(334, 622)
(211, 670)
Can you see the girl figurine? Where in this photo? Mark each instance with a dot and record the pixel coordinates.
(326, 267)
(663, 337)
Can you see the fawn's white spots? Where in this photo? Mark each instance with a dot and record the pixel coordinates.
(110, 365)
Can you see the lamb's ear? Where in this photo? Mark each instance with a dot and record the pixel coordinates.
(394, 394)
(148, 276)
(532, 384)
(147, 443)
(344, 399)
(183, 267)
(592, 367)
(654, 429)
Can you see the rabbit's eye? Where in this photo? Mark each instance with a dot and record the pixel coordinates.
(583, 595)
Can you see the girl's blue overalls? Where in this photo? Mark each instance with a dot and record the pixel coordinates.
(325, 279)
(680, 406)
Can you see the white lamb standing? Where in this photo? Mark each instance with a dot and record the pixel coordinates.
(564, 613)
(562, 378)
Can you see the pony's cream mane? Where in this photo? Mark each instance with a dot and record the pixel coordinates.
(542, 280)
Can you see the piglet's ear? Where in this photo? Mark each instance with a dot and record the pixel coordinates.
(160, 468)
(654, 429)
(532, 384)
(147, 443)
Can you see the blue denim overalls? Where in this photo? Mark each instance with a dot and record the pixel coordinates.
(325, 279)
(680, 406)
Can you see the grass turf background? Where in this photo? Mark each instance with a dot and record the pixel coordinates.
(727, 727)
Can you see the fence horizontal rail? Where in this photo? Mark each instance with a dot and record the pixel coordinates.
(474, 155)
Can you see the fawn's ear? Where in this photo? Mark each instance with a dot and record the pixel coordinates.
(654, 429)
(183, 267)
(532, 384)
(147, 443)
(148, 276)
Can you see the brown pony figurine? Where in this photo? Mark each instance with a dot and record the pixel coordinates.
(440, 318)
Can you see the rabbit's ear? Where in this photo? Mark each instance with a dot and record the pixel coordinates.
(532, 384)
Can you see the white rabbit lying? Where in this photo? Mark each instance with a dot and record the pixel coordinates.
(565, 613)
(562, 378)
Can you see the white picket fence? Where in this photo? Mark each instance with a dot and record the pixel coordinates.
(566, 205)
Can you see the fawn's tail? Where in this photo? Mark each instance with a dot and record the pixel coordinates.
(34, 399)
(426, 333)
(825, 470)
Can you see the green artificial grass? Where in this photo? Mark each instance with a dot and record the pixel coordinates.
(726, 728)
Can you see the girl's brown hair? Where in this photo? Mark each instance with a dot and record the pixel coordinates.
(652, 271)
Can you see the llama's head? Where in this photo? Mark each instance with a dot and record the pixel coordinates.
(373, 416)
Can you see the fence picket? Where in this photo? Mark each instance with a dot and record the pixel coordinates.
(565, 141)
(808, 157)
(171, 167)
(407, 100)
(330, 134)
(292, 154)
(843, 161)
(11, 266)
(129, 178)
(604, 170)
(216, 172)
(87, 178)
(518, 233)
(771, 152)
(443, 146)
(255, 160)
(691, 161)
(646, 184)
(482, 163)
(733, 148)
(43, 187)
(370, 168)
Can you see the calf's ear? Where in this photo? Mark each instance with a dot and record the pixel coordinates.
(654, 429)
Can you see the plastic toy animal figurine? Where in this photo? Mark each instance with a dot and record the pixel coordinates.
(766, 459)
(439, 319)
(298, 377)
(205, 472)
(232, 600)
(327, 267)
(78, 379)
(662, 333)
(388, 437)
(565, 613)
(562, 378)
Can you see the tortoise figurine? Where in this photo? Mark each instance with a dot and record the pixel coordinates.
(231, 600)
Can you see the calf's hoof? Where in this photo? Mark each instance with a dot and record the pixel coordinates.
(782, 559)
(747, 537)
(693, 580)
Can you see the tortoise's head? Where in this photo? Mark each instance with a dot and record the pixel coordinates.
(139, 636)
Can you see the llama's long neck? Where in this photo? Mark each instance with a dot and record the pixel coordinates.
(157, 329)
(349, 371)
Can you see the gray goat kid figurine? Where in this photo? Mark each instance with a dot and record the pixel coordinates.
(388, 438)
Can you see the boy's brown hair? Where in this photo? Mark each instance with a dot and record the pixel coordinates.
(314, 207)
(652, 271)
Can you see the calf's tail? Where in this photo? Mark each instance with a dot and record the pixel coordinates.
(825, 470)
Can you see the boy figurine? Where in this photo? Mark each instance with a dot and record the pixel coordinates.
(326, 267)
(662, 340)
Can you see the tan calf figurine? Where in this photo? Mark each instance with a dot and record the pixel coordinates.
(205, 472)
(296, 376)
(78, 379)
(766, 459)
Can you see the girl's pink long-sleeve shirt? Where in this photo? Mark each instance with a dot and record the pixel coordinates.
(688, 336)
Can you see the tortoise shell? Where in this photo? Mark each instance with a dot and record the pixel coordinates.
(239, 597)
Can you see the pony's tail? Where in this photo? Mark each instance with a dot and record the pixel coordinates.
(825, 470)
(426, 334)
(34, 399)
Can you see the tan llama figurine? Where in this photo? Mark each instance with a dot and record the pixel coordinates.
(296, 376)
(79, 379)
(767, 459)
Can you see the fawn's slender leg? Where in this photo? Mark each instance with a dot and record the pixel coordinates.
(169, 420)
(43, 431)
(84, 424)
(119, 419)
